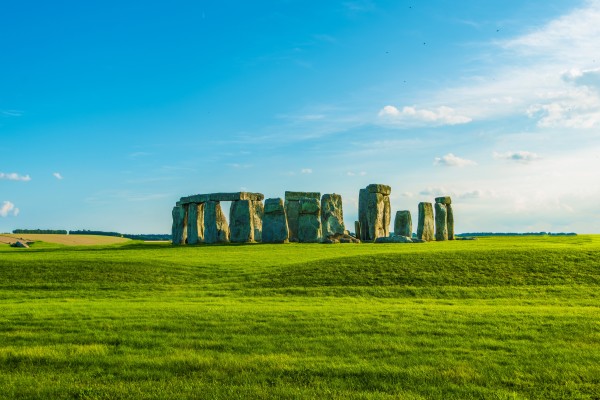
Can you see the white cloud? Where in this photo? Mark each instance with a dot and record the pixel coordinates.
(361, 173)
(519, 156)
(306, 170)
(15, 177)
(439, 116)
(57, 175)
(450, 160)
(11, 113)
(7, 209)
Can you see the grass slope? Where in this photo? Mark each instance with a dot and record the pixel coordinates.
(493, 318)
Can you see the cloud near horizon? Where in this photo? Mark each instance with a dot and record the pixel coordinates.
(450, 160)
(8, 208)
(13, 176)
(519, 156)
(57, 175)
(439, 116)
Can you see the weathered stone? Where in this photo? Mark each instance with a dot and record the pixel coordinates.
(450, 221)
(20, 244)
(275, 226)
(257, 219)
(216, 229)
(443, 200)
(362, 215)
(426, 225)
(441, 223)
(309, 223)
(378, 188)
(340, 238)
(292, 211)
(403, 223)
(241, 221)
(393, 239)
(235, 196)
(332, 215)
(376, 216)
(177, 229)
(296, 196)
(387, 215)
(357, 229)
(192, 224)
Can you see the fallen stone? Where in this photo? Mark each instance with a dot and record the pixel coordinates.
(340, 238)
(309, 223)
(332, 215)
(19, 244)
(403, 223)
(443, 200)
(441, 223)
(216, 229)
(275, 226)
(425, 227)
(241, 221)
(394, 239)
(177, 229)
(378, 188)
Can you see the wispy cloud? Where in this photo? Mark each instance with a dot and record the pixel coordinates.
(306, 171)
(57, 175)
(11, 113)
(352, 173)
(519, 156)
(7, 209)
(139, 154)
(450, 160)
(411, 115)
(13, 176)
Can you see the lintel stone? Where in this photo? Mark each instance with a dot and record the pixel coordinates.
(378, 188)
(296, 196)
(443, 200)
(235, 196)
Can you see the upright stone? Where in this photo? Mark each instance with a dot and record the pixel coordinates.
(275, 224)
(363, 234)
(241, 221)
(403, 224)
(178, 214)
(450, 220)
(216, 229)
(192, 224)
(357, 229)
(426, 225)
(375, 213)
(309, 223)
(387, 215)
(441, 223)
(332, 215)
(257, 219)
(292, 211)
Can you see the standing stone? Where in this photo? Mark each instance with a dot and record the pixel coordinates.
(192, 224)
(450, 220)
(275, 225)
(387, 215)
(357, 229)
(178, 224)
(216, 229)
(403, 224)
(426, 225)
(441, 224)
(241, 221)
(292, 210)
(309, 223)
(257, 219)
(374, 211)
(363, 234)
(332, 215)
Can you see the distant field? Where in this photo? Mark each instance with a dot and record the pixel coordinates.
(497, 318)
(68, 240)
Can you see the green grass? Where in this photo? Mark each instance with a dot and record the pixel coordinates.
(498, 318)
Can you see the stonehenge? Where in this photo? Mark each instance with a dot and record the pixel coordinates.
(305, 217)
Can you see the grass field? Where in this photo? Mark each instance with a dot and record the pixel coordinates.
(497, 318)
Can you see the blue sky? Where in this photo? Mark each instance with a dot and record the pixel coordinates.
(109, 112)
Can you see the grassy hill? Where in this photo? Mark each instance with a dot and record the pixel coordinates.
(492, 318)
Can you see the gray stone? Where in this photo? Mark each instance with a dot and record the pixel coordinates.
(216, 229)
(192, 224)
(257, 220)
(443, 200)
(309, 223)
(378, 188)
(403, 223)
(275, 226)
(195, 198)
(177, 228)
(450, 221)
(296, 196)
(19, 244)
(387, 215)
(340, 238)
(441, 222)
(363, 234)
(425, 227)
(394, 239)
(235, 196)
(332, 215)
(357, 229)
(292, 211)
(241, 221)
